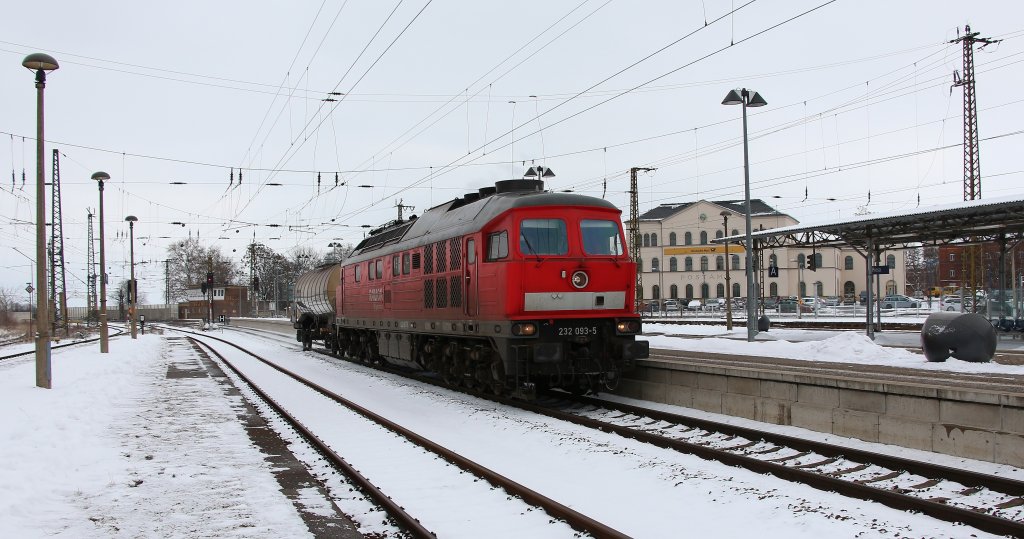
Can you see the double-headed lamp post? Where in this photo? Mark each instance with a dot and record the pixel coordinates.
(41, 63)
(101, 177)
(747, 98)
(728, 287)
(133, 296)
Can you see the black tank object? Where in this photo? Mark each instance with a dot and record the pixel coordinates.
(967, 337)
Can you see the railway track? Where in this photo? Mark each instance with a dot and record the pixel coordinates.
(438, 454)
(986, 502)
(65, 345)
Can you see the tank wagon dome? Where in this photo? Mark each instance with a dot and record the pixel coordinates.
(467, 213)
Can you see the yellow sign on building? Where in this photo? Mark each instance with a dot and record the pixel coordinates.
(703, 250)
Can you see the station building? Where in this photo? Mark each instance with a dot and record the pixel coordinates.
(678, 260)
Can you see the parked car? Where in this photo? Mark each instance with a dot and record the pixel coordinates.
(811, 303)
(769, 303)
(849, 299)
(694, 305)
(830, 301)
(672, 307)
(787, 305)
(899, 301)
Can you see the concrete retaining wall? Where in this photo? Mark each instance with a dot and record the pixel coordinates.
(968, 423)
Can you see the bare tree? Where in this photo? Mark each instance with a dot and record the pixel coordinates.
(189, 263)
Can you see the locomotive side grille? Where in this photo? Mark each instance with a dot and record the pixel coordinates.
(428, 260)
(428, 294)
(415, 261)
(456, 291)
(455, 248)
(442, 293)
(441, 264)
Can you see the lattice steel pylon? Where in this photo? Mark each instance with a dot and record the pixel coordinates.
(58, 292)
(634, 235)
(972, 150)
(972, 155)
(91, 296)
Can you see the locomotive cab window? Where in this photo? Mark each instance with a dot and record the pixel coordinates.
(358, 271)
(543, 237)
(370, 273)
(380, 268)
(497, 245)
(601, 237)
(394, 266)
(405, 263)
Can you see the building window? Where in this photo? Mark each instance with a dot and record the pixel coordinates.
(640, 265)
(773, 261)
(735, 261)
(654, 240)
(704, 291)
(817, 260)
(703, 237)
(673, 264)
(952, 274)
(688, 264)
(952, 257)
(654, 265)
(671, 238)
(819, 289)
(736, 290)
(647, 240)
(673, 292)
(719, 263)
(848, 263)
(704, 264)
(689, 292)
(718, 234)
(801, 261)
(688, 239)
(890, 261)
(720, 291)
(773, 289)
(655, 292)
(735, 232)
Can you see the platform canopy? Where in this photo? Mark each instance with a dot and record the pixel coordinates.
(962, 223)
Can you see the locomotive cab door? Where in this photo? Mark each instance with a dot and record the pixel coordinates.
(469, 281)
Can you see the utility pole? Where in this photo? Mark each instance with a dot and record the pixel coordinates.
(58, 290)
(634, 235)
(972, 150)
(91, 273)
(252, 276)
(167, 282)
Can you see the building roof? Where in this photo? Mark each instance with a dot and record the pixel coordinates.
(758, 207)
(973, 221)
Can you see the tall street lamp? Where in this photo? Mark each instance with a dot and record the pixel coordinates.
(41, 63)
(101, 177)
(747, 98)
(133, 295)
(728, 287)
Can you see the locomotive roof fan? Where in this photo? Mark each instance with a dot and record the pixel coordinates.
(512, 186)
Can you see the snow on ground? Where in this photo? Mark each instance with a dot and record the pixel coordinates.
(814, 345)
(118, 449)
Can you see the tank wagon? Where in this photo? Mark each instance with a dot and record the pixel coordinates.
(511, 288)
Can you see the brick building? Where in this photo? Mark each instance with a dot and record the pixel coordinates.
(228, 301)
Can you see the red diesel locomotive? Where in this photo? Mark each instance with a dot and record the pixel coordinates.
(511, 288)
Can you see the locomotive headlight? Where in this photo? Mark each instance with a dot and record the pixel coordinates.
(524, 329)
(580, 279)
(627, 326)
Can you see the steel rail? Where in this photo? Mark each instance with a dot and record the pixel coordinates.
(575, 519)
(395, 511)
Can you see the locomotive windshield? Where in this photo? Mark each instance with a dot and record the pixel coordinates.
(543, 237)
(601, 237)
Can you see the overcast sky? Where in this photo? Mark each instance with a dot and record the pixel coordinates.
(859, 101)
